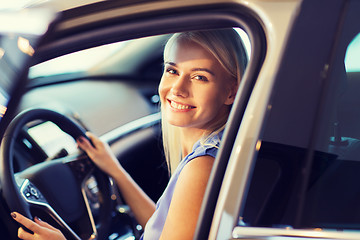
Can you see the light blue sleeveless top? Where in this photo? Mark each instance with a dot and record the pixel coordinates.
(156, 222)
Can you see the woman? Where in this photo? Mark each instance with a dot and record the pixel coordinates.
(202, 71)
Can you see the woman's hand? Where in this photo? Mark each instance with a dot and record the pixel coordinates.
(41, 230)
(100, 153)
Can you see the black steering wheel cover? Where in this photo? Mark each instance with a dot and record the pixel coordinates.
(10, 190)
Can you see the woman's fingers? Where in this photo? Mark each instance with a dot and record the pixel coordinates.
(83, 143)
(44, 224)
(86, 145)
(24, 235)
(29, 224)
(92, 137)
(42, 230)
(100, 153)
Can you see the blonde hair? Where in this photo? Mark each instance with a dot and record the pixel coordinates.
(227, 47)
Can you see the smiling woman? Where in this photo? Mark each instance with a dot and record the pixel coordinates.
(200, 71)
(201, 75)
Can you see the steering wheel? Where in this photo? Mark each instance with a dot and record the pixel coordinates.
(57, 187)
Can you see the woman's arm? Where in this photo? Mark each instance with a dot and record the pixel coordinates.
(100, 153)
(187, 199)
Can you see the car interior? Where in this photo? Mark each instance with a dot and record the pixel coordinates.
(114, 95)
(105, 99)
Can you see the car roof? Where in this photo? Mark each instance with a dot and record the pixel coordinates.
(56, 5)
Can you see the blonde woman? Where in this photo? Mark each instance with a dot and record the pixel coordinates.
(202, 72)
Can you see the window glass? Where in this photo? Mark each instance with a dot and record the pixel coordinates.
(17, 43)
(316, 186)
(69, 63)
(331, 199)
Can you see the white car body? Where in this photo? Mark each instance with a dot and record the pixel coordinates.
(279, 32)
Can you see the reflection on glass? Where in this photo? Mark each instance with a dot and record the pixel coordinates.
(19, 31)
(352, 58)
(2, 110)
(24, 46)
(2, 52)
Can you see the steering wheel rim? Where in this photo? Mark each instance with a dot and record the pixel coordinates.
(80, 166)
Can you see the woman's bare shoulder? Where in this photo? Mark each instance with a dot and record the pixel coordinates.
(186, 201)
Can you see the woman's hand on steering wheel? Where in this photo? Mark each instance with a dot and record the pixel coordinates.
(100, 153)
(41, 230)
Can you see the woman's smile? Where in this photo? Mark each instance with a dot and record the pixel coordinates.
(179, 107)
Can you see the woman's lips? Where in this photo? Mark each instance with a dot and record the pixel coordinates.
(179, 106)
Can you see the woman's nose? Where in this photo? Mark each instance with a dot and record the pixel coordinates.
(180, 87)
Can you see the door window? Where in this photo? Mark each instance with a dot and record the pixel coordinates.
(315, 186)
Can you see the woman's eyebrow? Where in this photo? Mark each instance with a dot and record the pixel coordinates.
(170, 63)
(203, 70)
(194, 69)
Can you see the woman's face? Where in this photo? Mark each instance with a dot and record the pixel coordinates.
(195, 90)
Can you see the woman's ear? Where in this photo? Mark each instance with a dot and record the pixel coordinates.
(232, 94)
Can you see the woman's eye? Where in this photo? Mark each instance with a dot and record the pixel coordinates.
(200, 78)
(171, 71)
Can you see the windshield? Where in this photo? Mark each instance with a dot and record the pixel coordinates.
(69, 63)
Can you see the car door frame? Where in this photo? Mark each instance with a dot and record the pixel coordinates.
(183, 15)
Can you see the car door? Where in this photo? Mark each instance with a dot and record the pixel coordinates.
(301, 173)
